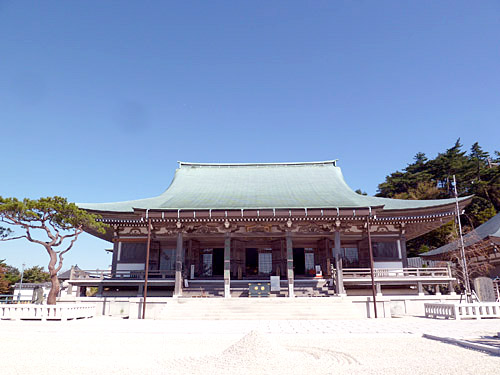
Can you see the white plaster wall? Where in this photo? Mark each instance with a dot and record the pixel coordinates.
(27, 293)
(130, 266)
(392, 264)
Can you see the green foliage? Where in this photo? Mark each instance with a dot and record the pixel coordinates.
(5, 232)
(52, 222)
(55, 211)
(4, 285)
(360, 192)
(36, 274)
(9, 275)
(424, 178)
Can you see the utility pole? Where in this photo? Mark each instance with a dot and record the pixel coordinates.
(462, 247)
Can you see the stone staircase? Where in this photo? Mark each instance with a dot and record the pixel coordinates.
(203, 288)
(300, 308)
(313, 288)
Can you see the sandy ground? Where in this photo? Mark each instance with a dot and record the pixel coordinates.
(114, 346)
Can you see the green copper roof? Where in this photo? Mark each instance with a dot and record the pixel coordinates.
(491, 228)
(199, 186)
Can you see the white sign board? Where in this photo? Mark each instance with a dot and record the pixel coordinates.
(318, 270)
(275, 284)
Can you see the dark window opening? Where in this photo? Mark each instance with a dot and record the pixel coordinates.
(385, 250)
(299, 261)
(251, 261)
(218, 262)
(132, 252)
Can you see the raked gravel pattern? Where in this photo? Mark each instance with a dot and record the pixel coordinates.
(116, 346)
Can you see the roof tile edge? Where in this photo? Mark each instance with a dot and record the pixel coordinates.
(286, 164)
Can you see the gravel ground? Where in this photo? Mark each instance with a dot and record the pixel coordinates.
(114, 346)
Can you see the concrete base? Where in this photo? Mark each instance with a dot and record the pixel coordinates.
(249, 308)
(414, 305)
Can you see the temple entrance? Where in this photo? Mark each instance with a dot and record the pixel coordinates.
(251, 262)
(299, 261)
(218, 262)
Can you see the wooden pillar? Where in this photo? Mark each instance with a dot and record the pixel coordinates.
(189, 259)
(328, 257)
(116, 255)
(289, 264)
(370, 249)
(277, 270)
(420, 289)
(227, 266)
(146, 272)
(283, 259)
(338, 264)
(196, 258)
(402, 244)
(178, 267)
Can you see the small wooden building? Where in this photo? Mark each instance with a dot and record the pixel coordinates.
(220, 226)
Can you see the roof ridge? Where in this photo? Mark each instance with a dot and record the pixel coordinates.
(286, 164)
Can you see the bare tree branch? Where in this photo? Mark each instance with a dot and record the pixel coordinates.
(12, 238)
(77, 233)
(62, 238)
(31, 239)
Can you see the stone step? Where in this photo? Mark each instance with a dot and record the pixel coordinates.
(260, 308)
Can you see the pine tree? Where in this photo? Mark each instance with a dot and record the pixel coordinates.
(432, 179)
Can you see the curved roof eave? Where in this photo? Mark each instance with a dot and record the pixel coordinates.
(254, 186)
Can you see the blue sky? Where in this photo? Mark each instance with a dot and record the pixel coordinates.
(98, 100)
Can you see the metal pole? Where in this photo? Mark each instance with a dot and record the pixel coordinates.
(21, 284)
(462, 248)
(146, 271)
(374, 293)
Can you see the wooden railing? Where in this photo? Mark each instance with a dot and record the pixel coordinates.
(436, 272)
(121, 274)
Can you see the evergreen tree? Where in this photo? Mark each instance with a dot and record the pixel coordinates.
(51, 222)
(476, 174)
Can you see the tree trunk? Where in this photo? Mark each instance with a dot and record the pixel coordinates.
(56, 286)
(54, 290)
